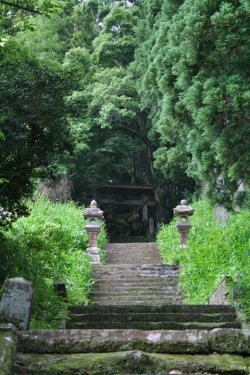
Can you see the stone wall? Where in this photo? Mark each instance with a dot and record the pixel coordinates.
(221, 295)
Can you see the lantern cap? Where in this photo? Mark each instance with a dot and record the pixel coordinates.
(183, 208)
(93, 211)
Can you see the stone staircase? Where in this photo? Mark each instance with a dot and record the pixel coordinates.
(136, 324)
(134, 275)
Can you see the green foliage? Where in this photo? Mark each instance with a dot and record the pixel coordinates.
(33, 120)
(44, 40)
(111, 117)
(195, 81)
(16, 16)
(213, 251)
(48, 247)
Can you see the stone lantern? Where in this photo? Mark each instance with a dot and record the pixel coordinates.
(183, 212)
(92, 214)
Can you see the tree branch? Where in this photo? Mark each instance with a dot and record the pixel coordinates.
(20, 7)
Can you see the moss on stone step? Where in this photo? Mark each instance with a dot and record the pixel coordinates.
(151, 325)
(161, 308)
(131, 362)
(157, 317)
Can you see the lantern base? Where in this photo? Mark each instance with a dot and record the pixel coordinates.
(93, 254)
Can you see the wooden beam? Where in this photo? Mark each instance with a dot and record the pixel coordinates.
(128, 202)
(142, 187)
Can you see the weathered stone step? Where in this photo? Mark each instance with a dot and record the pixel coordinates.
(131, 245)
(140, 256)
(120, 261)
(133, 250)
(134, 290)
(141, 302)
(134, 271)
(130, 362)
(152, 325)
(170, 267)
(138, 299)
(150, 309)
(157, 317)
(135, 282)
(220, 341)
(134, 254)
(133, 276)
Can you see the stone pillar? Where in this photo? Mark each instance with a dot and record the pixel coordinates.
(151, 226)
(17, 300)
(183, 212)
(92, 215)
(145, 209)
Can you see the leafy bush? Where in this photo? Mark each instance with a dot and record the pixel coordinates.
(47, 247)
(213, 251)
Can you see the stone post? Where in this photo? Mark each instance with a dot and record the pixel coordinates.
(92, 215)
(183, 212)
(17, 300)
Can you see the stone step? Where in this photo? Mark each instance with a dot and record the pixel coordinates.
(134, 254)
(136, 247)
(133, 300)
(127, 271)
(135, 282)
(167, 299)
(220, 341)
(152, 325)
(170, 267)
(129, 362)
(133, 276)
(128, 239)
(131, 245)
(138, 302)
(121, 261)
(146, 299)
(161, 308)
(136, 292)
(157, 317)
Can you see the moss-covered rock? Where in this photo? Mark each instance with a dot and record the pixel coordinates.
(235, 341)
(131, 362)
(7, 348)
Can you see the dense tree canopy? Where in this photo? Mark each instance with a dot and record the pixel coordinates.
(33, 122)
(158, 95)
(197, 76)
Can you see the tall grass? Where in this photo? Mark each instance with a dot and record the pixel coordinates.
(47, 247)
(213, 251)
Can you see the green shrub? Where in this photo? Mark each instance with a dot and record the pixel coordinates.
(47, 247)
(213, 251)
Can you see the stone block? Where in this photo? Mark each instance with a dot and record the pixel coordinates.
(8, 344)
(111, 340)
(235, 341)
(17, 301)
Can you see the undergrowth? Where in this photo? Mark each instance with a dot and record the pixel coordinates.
(214, 251)
(47, 247)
